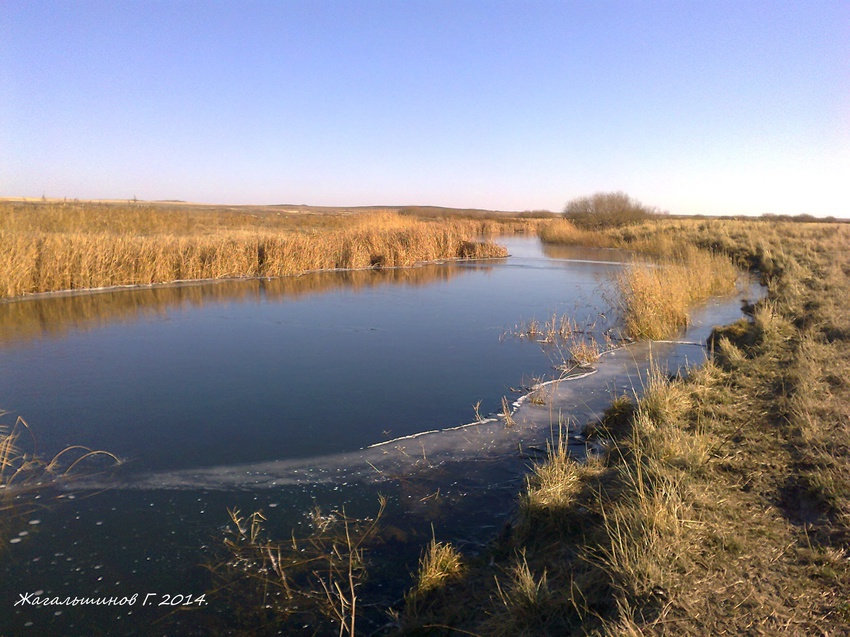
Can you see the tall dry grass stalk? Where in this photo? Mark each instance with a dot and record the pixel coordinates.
(21, 468)
(525, 594)
(507, 413)
(50, 250)
(24, 475)
(656, 298)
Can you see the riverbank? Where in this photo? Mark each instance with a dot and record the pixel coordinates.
(722, 501)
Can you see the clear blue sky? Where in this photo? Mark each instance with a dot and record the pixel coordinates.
(695, 107)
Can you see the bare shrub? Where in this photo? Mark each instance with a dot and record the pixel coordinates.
(607, 210)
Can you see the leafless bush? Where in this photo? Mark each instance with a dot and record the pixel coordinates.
(607, 210)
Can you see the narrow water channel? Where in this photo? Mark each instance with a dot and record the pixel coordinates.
(283, 395)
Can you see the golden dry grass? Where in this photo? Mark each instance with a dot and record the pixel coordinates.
(657, 299)
(25, 475)
(554, 484)
(20, 468)
(440, 563)
(562, 231)
(525, 592)
(51, 247)
(279, 586)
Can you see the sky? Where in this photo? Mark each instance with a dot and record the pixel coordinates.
(694, 107)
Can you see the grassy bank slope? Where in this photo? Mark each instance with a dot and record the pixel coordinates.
(722, 505)
(70, 246)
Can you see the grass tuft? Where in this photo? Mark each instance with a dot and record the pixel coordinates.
(439, 564)
(525, 593)
(553, 484)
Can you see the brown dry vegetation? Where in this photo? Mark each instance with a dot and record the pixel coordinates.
(72, 246)
(311, 581)
(656, 298)
(722, 503)
(564, 231)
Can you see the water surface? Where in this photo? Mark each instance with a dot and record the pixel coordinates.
(259, 370)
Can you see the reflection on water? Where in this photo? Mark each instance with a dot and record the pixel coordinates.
(582, 253)
(52, 316)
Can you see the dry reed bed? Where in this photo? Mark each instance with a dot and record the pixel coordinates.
(45, 251)
(562, 231)
(656, 299)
